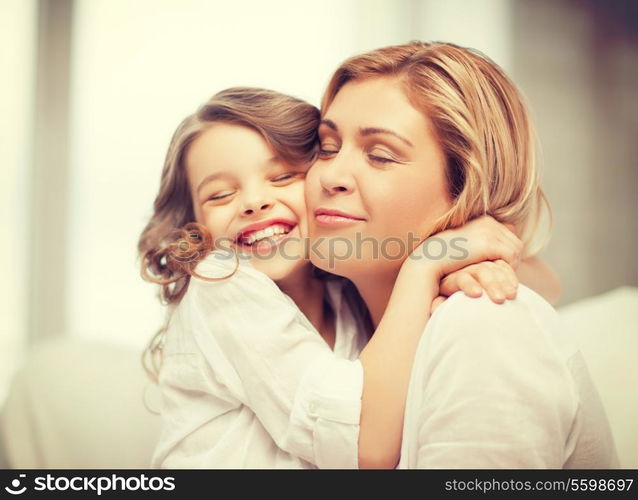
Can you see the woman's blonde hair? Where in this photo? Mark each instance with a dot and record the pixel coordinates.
(482, 124)
(172, 243)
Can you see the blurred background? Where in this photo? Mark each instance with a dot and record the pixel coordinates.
(91, 91)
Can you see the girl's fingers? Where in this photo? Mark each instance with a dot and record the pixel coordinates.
(461, 280)
(469, 285)
(495, 281)
(497, 278)
(510, 275)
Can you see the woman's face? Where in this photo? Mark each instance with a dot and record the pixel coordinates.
(379, 182)
(249, 198)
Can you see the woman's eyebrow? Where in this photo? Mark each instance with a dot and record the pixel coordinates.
(377, 130)
(329, 124)
(366, 131)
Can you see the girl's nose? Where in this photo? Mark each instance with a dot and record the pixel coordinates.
(256, 205)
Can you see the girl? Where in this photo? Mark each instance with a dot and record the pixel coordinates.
(251, 378)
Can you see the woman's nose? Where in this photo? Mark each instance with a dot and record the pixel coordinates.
(335, 177)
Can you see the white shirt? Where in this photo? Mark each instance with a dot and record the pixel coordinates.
(500, 386)
(493, 386)
(247, 381)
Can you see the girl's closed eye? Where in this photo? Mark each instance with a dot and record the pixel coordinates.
(220, 196)
(284, 177)
(287, 178)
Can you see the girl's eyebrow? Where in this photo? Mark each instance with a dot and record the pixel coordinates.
(366, 131)
(213, 177)
(210, 178)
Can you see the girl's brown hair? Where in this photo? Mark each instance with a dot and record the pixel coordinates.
(172, 243)
(482, 123)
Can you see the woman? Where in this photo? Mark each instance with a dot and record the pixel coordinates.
(415, 139)
(247, 379)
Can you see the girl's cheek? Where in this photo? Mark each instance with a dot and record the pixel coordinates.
(217, 220)
(311, 189)
(311, 175)
(296, 194)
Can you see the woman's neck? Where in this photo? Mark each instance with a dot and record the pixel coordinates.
(375, 290)
(308, 293)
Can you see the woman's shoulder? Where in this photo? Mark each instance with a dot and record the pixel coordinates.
(527, 304)
(527, 321)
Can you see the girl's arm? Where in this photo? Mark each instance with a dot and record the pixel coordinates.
(537, 275)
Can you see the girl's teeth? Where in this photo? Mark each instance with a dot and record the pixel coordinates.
(266, 233)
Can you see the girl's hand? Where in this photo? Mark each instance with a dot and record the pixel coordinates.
(497, 278)
(482, 239)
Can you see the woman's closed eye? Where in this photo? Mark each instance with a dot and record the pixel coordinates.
(375, 155)
(327, 149)
(381, 156)
(380, 159)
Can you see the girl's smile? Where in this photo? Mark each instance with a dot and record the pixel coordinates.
(263, 237)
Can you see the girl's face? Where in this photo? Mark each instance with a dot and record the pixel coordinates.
(379, 182)
(246, 196)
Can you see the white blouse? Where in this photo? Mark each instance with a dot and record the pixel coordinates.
(248, 382)
(501, 386)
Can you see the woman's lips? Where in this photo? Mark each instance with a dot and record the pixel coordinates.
(335, 218)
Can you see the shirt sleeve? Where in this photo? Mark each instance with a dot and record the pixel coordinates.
(273, 360)
(494, 389)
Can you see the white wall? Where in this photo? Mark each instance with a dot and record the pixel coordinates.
(578, 65)
(138, 69)
(485, 25)
(17, 42)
